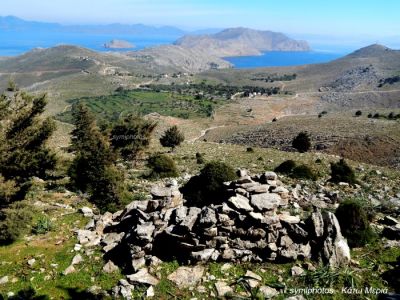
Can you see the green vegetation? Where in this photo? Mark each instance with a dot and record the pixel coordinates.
(342, 172)
(353, 220)
(23, 149)
(206, 188)
(112, 107)
(199, 158)
(12, 86)
(172, 137)
(14, 221)
(302, 142)
(273, 77)
(162, 166)
(389, 81)
(211, 92)
(131, 136)
(286, 167)
(93, 169)
(303, 172)
(43, 225)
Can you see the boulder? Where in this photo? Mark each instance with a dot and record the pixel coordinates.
(266, 201)
(207, 217)
(317, 224)
(223, 288)
(240, 203)
(268, 292)
(110, 267)
(185, 277)
(335, 249)
(145, 231)
(191, 218)
(143, 276)
(268, 176)
(204, 255)
(161, 192)
(87, 211)
(77, 260)
(253, 279)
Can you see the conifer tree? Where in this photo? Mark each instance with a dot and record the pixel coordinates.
(131, 136)
(23, 137)
(93, 169)
(302, 142)
(172, 138)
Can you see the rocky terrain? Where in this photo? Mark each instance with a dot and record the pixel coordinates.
(180, 59)
(241, 41)
(261, 221)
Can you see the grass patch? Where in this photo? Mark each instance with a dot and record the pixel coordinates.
(113, 106)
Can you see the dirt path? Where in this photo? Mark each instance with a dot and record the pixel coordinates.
(38, 72)
(204, 132)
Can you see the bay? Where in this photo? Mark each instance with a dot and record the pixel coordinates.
(283, 58)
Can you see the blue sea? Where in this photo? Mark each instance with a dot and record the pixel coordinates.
(281, 59)
(14, 43)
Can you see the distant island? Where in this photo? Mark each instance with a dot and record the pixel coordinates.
(119, 44)
(241, 42)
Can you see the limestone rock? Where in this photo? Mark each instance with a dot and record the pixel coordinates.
(185, 277)
(254, 280)
(77, 260)
(263, 202)
(110, 267)
(222, 288)
(69, 270)
(143, 276)
(335, 248)
(240, 203)
(268, 292)
(191, 218)
(139, 263)
(4, 280)
(87, 211)
(297, 271)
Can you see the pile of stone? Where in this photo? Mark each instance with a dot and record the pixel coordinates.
(249, 226)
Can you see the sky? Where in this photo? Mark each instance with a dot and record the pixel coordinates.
(370, 18)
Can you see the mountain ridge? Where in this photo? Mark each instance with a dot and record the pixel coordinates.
(241, 41)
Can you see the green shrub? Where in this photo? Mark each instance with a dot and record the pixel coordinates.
(286, 167)
(250, 149)
(303, 172)
(207, 187)
(43, 225)
(358, 113)
(162, 166)
(302, 142)
(199, 158)
(14, 221)
(172, 137)
(342, 172)
(353, 220)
